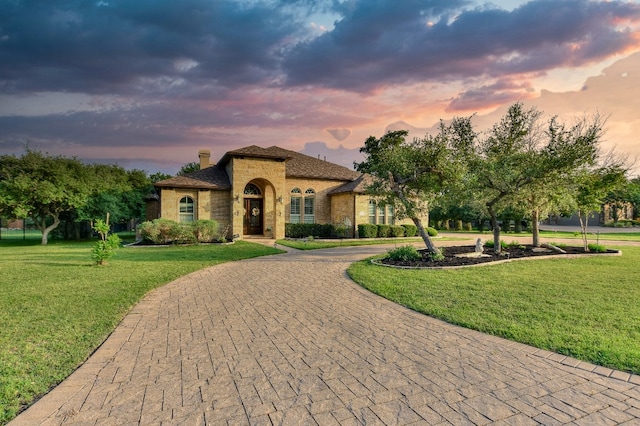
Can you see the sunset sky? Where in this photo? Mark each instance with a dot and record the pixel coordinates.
(147, 83)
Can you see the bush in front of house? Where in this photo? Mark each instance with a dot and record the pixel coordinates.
(165, 231)
(304, 230)
(410, 230)
(205, 231)
(397, 231)
(384, 231)
(432, 232)
(367, 230)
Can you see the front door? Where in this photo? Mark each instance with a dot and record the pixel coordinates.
(252, 216)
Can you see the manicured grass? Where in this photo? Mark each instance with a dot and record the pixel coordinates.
(352, 242)
(592, 237)
(57, 306)
(586, 308)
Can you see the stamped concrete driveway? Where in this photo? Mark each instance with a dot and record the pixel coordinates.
(290, 339)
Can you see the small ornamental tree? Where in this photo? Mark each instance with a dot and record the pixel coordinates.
(591, 189)
(410, 175)
(105, 248)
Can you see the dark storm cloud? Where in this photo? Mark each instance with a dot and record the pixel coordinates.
(375, 45)
(115, 46)
(153, 46)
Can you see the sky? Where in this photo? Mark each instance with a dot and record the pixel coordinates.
(147, 83)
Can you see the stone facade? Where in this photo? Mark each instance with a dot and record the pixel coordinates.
(249, 192)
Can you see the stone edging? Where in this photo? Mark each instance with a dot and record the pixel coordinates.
(497, 262)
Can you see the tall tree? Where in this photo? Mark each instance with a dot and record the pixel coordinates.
(42, 188)
(189, 168)
(410, 175)
(520, 163)
(505, 162)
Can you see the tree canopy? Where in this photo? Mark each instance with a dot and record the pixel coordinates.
(522, 166)
(411, 175)
(46, 188)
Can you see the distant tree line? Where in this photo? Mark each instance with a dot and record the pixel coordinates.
(524, 167)
(60, 194)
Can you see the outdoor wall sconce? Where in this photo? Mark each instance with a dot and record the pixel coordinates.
(280, 199)
(236, 198)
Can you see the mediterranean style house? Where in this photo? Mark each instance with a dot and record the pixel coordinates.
(254, 191)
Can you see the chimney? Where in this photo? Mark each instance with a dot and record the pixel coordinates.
(204, 155)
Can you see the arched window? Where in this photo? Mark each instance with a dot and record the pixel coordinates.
(294, 209)
(309, 206)
(252, 189)
(186, 210)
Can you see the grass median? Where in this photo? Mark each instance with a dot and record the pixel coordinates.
(586, 308)
(57, 306)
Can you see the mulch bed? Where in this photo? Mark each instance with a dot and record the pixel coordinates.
(450, 258)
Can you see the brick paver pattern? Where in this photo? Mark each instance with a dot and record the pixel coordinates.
(291, 340)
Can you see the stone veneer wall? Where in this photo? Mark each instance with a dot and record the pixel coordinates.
(323, 205)
(269, 176)
(208, 205)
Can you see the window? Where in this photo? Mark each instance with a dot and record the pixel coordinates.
(186, 209)
(251, 189)
(294, 210)
(381, 215)
(372, 211)
(309, 206)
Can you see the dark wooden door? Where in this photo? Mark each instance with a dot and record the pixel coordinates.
(252, 216)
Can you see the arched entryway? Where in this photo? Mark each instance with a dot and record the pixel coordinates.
(253, 210)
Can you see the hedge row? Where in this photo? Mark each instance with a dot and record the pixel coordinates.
(304, 230)
(369, 230)
(365, 230)
(165, 231)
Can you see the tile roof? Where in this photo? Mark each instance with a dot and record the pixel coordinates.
(297, 165)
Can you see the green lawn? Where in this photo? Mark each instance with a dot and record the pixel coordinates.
(586, 308)
(57, 307)
(352, 242)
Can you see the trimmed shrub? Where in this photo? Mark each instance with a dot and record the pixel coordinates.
(397, 231)
(304, 230)
(165, 231)
(205, 231)
(432, 232)
(160, 231)
(384, 231)
(404, 254)
(410, 230)
(367, 230)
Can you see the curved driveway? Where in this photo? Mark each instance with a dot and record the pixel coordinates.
(290, 339)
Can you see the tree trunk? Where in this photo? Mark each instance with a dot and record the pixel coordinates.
(497, 248)
(535, 227)
(584, 223)
(425, 236)
(416, 220)
(47, 229)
